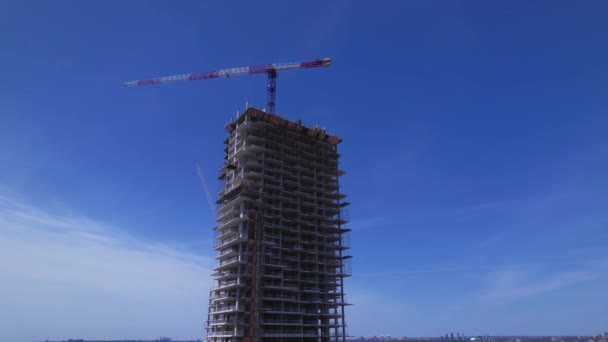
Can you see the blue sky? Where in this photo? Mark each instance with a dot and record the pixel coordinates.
(474, 140)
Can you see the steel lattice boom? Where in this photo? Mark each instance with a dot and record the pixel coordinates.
(270, 69)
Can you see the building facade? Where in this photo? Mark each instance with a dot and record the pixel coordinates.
(281, 237)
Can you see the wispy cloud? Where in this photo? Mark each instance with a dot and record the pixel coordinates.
(510, 284)
(328, 24)
(65, 276)
(378, 222)
(426, 271)
(375, 312)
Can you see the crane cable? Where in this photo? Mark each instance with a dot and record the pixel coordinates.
(199, 171)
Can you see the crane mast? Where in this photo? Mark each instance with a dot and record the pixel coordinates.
(270, 69)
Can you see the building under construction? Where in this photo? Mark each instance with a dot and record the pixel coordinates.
(281, 237)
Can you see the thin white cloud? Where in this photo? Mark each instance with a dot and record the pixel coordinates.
(72, 277)
(513, 284)
(379, 222)
(376, 312)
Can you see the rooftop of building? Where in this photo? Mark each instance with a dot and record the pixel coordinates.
(313, 131)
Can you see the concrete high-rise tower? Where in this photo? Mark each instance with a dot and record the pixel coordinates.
(280, 237)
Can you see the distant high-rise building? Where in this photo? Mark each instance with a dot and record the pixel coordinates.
(281, 235)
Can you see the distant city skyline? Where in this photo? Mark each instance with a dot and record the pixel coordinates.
(489, 338)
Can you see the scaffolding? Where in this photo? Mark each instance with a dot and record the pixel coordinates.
(281, 237)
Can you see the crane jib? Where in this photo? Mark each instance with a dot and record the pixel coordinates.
(257, 69)
(204, 75)
(270, 69)
(149, 82)
(312, 64)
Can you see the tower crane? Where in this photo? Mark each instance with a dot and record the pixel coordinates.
(270, 69)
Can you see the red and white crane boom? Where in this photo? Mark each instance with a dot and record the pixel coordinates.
(269, 69)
